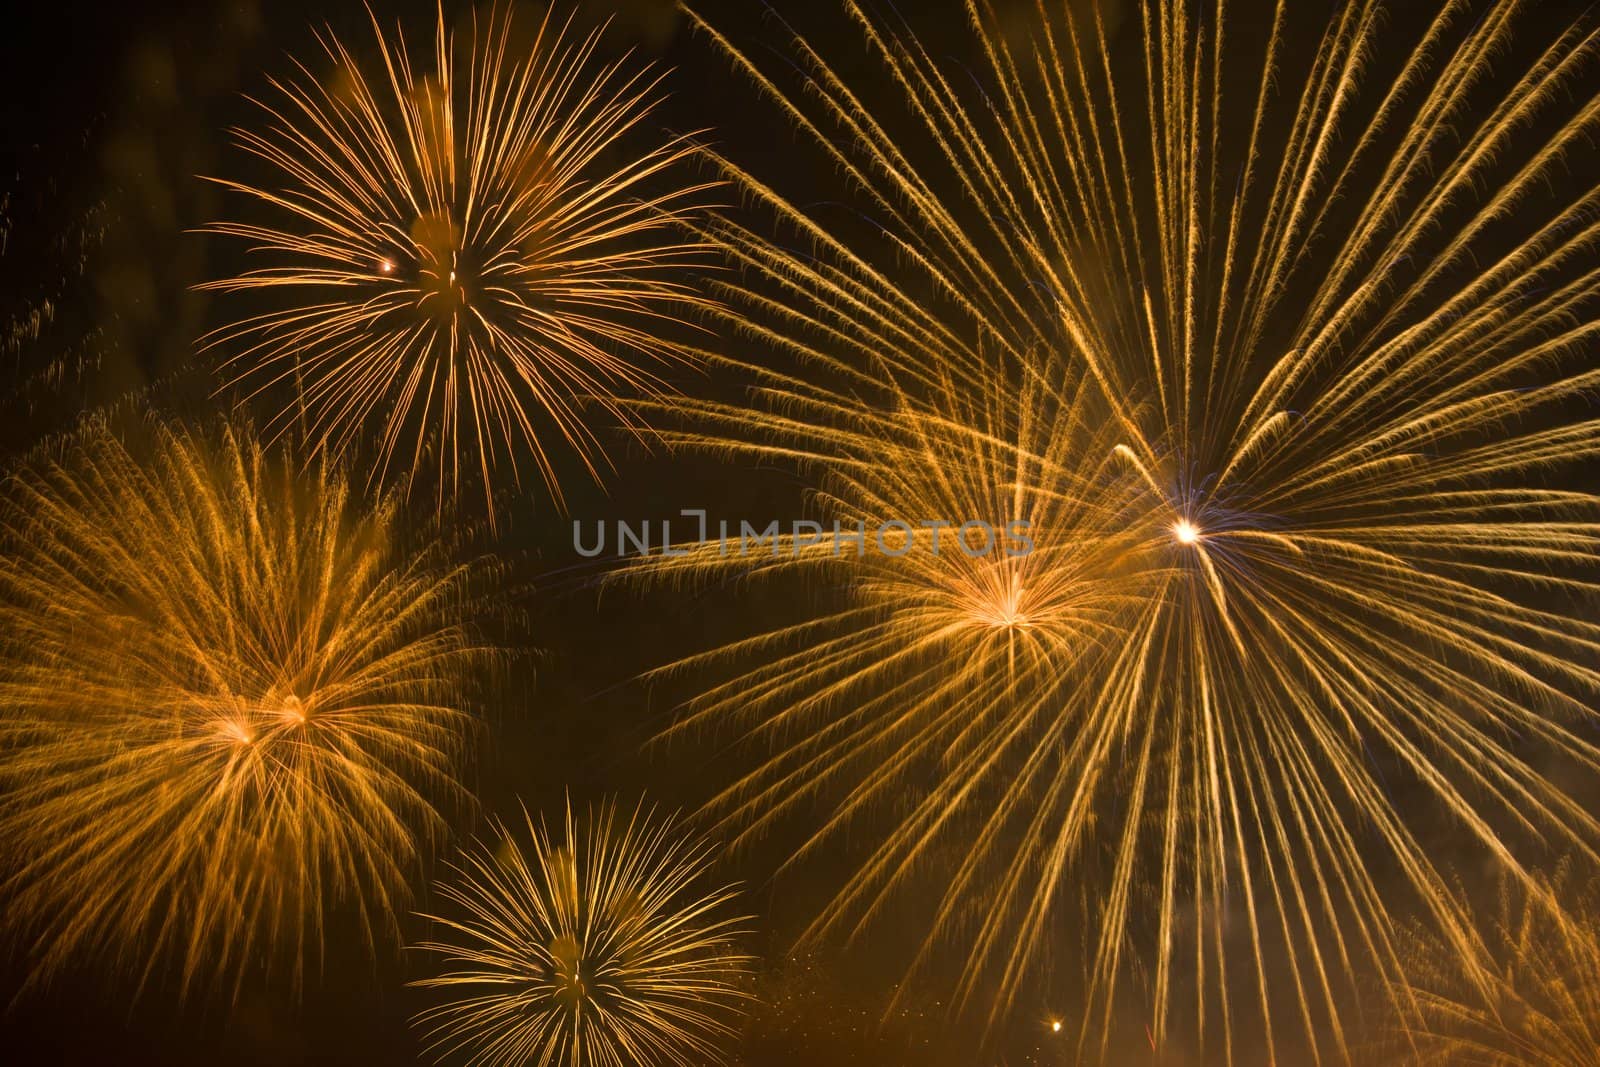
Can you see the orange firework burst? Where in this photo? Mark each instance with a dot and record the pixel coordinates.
(230, 701)
(455, 255)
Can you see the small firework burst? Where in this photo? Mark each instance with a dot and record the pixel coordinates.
(593, 947)
(462, 256)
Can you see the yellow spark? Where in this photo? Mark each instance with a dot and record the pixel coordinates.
(293, 710)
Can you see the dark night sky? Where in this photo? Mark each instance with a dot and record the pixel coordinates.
(110, 111)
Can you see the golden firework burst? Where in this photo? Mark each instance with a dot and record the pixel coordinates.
(462, 256)
(1328, 324)
(233, 702)
(595, 946)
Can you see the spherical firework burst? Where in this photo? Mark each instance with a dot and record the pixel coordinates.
(1331, 332)
(462, 255)
(232, 703)
(1537, 1004)
(597, 946)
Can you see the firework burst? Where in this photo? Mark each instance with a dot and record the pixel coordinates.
(232, 704)
(1295, 372)
(463, 255)
(593, 947)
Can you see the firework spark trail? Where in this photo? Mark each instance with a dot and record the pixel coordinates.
(597, 946)
(232, 703)
(1539, 1006)
(1327, 464)
(453, 254)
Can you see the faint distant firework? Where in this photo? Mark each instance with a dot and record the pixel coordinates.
(232, 703)
(1537, 1004)
(1286, 338)
(598, 945)
(457, 259)
(52, 334)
